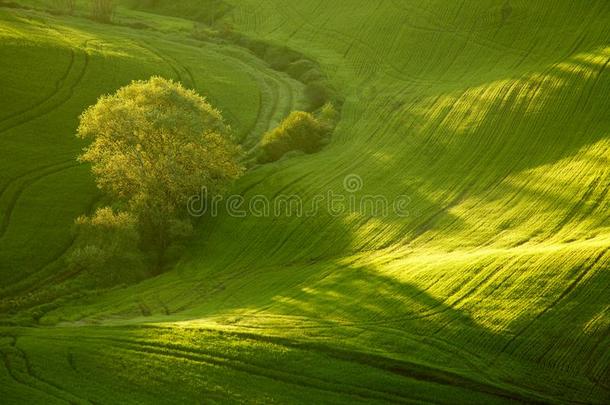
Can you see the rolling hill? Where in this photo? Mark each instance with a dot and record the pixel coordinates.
(491, 117)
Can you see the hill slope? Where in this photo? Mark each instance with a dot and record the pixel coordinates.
(492, 117)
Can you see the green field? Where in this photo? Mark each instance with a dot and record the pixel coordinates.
(491, 116)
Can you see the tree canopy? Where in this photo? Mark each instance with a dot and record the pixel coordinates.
(154, 144)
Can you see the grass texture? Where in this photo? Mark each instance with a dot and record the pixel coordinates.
(491, 116)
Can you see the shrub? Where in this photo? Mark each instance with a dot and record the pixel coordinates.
(106, 245)
(102, 10)
(107, 229)
(279, 57)
(299, 131)
(204, 11)
(303, 68)
(64, 6)
(312, 75)
(259, 48)
(318, 93)
(328, 115)
(202, 32)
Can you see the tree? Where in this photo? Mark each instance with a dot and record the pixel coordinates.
(154, 145)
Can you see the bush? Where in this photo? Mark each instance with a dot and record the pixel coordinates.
(106, 245)
(303, 68)
(204, 11)
(328, 116)
(102, 10)
(318, 93)
(202, 32)
(116, 231)
(299, 131)
(313, 75)
(279, 57)
(259, 48)
(64, 6)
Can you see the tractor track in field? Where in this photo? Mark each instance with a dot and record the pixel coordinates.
(598, 380)
(466, 356)
(587, 269)
(11, 372)
(38, 383)
(53, 169)
(386, 322)
(26, 284)
(439, 308)
(27, 377)
(28, 172)
(277, 375)
(389, 68)
(267, 116)
(582, 336)
(56, 100)
(270, 82)
(536, 141)
(58, 85)
(169, 62)
(180, 70)
(471, 292)
(54, 278)
(603, 336)
(578, 206)
(236, 364)
(384, 326)
(496, 183)
(400, 368)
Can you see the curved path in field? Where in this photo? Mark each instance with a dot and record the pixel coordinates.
(64, 90)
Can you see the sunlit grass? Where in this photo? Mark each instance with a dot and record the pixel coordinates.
(492, 120)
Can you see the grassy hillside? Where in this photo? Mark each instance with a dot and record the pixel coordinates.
(492, 117)
(74, 62)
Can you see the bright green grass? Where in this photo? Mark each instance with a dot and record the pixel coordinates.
(493, 119)
(73, 63)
